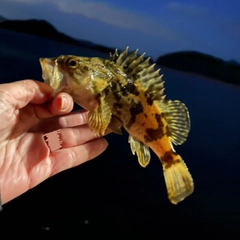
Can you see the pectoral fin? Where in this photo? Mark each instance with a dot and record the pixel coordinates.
(100, 117)
(142, 151)
(99, 83)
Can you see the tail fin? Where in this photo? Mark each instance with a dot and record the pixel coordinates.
(178, 180)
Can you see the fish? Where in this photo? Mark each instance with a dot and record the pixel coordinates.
(125, 91)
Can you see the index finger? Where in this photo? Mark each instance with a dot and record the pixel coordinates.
(20, 93)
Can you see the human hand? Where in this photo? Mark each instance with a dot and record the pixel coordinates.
(26, 115)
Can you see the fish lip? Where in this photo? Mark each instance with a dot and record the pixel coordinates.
(46, 71)
(51, 73)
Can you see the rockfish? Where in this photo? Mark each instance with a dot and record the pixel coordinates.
(127, 91)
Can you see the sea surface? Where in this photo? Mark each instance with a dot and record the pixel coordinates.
(112, 196)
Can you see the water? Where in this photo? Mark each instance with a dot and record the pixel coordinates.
(113, 190)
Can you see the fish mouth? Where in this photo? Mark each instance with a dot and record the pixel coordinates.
(51, 73)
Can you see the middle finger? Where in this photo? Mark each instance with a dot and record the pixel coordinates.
(77, 118)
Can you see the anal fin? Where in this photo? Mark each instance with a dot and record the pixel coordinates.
(143, 152)
(100, 117)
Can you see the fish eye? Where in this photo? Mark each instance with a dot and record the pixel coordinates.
(72, 63)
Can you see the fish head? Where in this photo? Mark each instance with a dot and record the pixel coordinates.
(66, 72)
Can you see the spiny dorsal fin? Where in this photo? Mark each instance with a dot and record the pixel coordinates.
(138, 70)
(114, 56)
(178, 119)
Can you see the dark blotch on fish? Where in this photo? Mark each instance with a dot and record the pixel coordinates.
(129, 88)
(149, 101)
(119, 113)
(114, 88)
(136, 109)
(106, 91)
(158, 118)
(85, 68)
(168, 159)
(117, 105)
(154, 134)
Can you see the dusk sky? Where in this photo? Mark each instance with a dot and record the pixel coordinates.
(154, 26)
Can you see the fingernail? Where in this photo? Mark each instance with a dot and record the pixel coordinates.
(64, 104)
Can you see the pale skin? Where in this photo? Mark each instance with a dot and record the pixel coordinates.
(27, 112)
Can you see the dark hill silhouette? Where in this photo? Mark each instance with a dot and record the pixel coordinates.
(203, 64)
(2, 19)
(40, 28)
(44, 29)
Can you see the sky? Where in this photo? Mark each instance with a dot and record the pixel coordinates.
(156, 27)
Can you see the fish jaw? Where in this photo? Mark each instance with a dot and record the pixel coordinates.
(52, 74)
